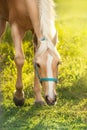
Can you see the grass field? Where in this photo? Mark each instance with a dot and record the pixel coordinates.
(70, 113)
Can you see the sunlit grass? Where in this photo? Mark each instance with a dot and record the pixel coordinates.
(71, 111)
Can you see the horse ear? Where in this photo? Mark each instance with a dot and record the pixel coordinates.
(55, 38)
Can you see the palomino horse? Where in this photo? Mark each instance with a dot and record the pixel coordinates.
(46, 56)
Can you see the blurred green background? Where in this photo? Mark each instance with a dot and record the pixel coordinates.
(71, 111)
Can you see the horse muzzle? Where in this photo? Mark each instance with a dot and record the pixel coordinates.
(50, 101)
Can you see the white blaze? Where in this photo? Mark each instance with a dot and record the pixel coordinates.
(50, 75)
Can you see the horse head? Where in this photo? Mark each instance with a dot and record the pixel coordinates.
(47, 60)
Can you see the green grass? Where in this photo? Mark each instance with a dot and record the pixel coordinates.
(70, 113)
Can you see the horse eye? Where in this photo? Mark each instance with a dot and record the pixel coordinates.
(38, 65)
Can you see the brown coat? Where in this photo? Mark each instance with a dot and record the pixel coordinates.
(15, 11)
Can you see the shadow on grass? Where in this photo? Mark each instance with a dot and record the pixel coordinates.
(16, 117)
(35, 117)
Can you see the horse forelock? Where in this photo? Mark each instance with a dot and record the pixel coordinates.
(44, 46)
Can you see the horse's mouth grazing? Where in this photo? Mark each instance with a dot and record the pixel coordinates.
(50, 102)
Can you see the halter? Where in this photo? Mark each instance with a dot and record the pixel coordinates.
(37, 72)
(45, 78)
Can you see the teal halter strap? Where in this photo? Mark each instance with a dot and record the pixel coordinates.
(44, 79)
(49, 79)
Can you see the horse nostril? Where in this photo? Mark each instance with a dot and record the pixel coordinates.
(46, 98)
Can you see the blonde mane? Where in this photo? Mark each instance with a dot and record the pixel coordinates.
(47, 17)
